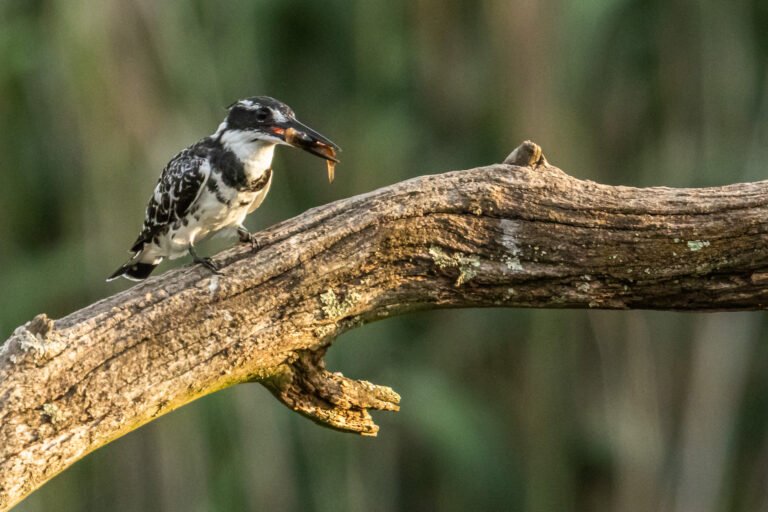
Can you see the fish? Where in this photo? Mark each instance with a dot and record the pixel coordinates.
(326, 151)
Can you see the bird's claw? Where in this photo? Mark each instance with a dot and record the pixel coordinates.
(209, 264)
(247, 237)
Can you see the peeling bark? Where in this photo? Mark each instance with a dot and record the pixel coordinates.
(517, 234)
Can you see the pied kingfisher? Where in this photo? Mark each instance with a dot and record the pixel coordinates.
(214, 183)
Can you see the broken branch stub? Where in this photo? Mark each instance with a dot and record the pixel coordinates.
(330, 399)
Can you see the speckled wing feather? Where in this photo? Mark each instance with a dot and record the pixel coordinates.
(179, 186)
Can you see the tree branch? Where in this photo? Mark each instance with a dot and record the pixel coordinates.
(518, 234)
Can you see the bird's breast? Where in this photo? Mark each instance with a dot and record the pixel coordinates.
(259, 162)
(258, 184)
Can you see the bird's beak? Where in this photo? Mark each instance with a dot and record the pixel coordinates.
(302, 136)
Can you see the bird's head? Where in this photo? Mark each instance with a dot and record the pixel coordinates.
(262, 120)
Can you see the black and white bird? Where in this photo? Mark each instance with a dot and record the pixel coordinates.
(215, 183)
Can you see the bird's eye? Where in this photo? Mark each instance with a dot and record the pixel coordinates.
(263, 114)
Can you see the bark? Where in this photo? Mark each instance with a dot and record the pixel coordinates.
(517, 234)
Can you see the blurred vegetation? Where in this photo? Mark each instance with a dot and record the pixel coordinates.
(502, 409)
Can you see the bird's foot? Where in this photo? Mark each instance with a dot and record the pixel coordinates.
(204, 261)
(209, 264)
(246, 237)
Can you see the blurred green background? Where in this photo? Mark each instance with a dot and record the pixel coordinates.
(502, 409)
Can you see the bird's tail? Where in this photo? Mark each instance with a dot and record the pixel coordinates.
(135, 271)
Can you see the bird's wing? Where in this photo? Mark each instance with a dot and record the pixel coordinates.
(179, 186)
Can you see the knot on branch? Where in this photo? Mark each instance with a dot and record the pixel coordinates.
(35, 340)
(527, 154)
(329, 398)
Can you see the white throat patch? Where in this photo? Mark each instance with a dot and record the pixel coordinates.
(256, 155)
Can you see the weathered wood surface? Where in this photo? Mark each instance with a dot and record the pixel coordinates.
(524, 235)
